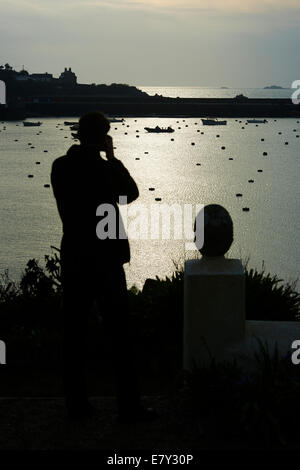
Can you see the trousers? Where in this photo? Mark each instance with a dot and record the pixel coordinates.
(83, 283)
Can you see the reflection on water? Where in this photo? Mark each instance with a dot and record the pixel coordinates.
(269, 231)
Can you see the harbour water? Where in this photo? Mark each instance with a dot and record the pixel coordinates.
(267, 233)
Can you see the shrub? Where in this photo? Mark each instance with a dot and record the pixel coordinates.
(263, 405)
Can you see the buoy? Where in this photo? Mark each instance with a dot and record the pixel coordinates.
(243, 128)
(193, 143)
(223, 148)
(202, 132)
(262, 140)
(297, 136)
(279, 133)
(137, 136)
(198, 130)
(137, 131)
(246, 209)
(125, 133)
(172, 140)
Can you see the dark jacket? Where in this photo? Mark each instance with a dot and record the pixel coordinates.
(81, 181)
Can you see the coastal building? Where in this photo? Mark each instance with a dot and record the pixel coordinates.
(68, 76)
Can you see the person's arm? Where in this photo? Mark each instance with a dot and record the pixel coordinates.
(58, 188)
(125, 184)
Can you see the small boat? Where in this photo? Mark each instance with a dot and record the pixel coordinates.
(159, 129)
(74, 135)
(257, 121)
(116, 120)
(70, 123)
(31, 124)
(75, 127)
(213, 122)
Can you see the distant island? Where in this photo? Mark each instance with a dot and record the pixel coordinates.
(273, 87)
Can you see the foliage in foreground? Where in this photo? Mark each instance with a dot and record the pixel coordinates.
(30, 310)
(262, 405)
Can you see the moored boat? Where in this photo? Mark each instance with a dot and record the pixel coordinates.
(158, 129)
(116, 120)
(31, 124)
(257, 121)
(213, 122)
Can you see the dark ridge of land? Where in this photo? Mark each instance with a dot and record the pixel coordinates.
(156, 107)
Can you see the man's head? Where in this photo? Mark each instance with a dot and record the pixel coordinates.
(93, 128)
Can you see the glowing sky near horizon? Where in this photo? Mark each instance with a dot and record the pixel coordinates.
(250, 43)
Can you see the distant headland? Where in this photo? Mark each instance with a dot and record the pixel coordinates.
(274, 87)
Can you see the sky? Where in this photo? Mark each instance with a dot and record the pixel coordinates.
(234, 43)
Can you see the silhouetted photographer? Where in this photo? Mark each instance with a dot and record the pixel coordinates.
(92, 268)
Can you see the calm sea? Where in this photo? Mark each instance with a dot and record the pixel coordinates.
(267, 233)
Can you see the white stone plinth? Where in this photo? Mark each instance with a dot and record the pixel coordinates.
(214, 308)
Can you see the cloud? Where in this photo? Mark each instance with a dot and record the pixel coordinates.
(235, 6)
(51, 7)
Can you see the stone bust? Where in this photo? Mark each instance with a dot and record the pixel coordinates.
(218, 230)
